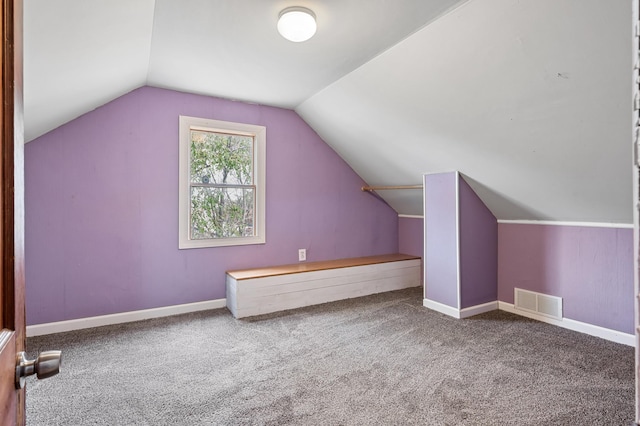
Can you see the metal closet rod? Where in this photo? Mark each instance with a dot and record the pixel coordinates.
(378, 188)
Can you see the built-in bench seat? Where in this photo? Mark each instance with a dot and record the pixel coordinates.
(264, 290)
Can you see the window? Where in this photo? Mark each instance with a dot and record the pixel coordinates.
(222, 169)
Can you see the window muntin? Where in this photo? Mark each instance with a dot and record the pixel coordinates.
(222, 183)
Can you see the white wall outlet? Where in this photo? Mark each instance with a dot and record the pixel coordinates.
(302, 255)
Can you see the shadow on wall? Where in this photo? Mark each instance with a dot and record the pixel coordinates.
(492, 198)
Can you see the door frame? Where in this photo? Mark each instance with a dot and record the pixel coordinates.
(12, 275)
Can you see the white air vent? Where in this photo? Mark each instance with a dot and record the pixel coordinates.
(538, 303)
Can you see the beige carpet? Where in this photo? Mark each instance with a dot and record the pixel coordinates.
(377, 360)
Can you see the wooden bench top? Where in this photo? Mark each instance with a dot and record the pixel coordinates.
(295, 268)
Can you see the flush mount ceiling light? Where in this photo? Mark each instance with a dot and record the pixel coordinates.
(297, 23)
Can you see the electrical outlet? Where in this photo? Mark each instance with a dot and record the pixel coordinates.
(302, 255)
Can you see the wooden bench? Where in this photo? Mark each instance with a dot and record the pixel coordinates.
(264, 290)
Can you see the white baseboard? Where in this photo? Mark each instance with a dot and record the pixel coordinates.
(478, 309)
(460, 313)
(79, 324)
(581, 327)
(442, 308)
(99, 321)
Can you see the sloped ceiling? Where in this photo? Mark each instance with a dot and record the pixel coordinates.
(530, 100)
(80, 54)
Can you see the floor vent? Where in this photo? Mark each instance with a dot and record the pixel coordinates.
(538, 303)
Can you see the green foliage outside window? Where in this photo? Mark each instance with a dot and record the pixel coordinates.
(222, 191)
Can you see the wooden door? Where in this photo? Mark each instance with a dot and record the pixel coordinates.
(12, 314)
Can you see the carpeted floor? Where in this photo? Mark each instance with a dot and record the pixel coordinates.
(376, 360)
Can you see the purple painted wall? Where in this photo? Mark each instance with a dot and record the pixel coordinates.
(478, 249)
(102, 208)
(440, 260)
(590, 268)
(411, 235)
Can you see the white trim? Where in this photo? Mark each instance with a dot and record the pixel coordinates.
(442, 308)
(439, 173)
(460, 313)
(124, 317)
(569, 324)
(424, 237)
(411, 216)
(99, 321)
(559, 223)
(259, 133)
(581, 327)
(458, 280)
(633, 55)
(478, 309)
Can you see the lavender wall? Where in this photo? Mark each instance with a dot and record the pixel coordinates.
(411, 235)
(590, 268)
(102, 208)
(440, 260)
(478, 249)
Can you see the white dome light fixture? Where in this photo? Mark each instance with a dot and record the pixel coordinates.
(297, 24)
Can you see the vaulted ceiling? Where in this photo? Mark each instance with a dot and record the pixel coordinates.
(529, 99)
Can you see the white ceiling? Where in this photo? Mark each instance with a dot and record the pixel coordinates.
(529, 99)
(80, 54)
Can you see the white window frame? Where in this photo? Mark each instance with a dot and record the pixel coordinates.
(259, 133)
